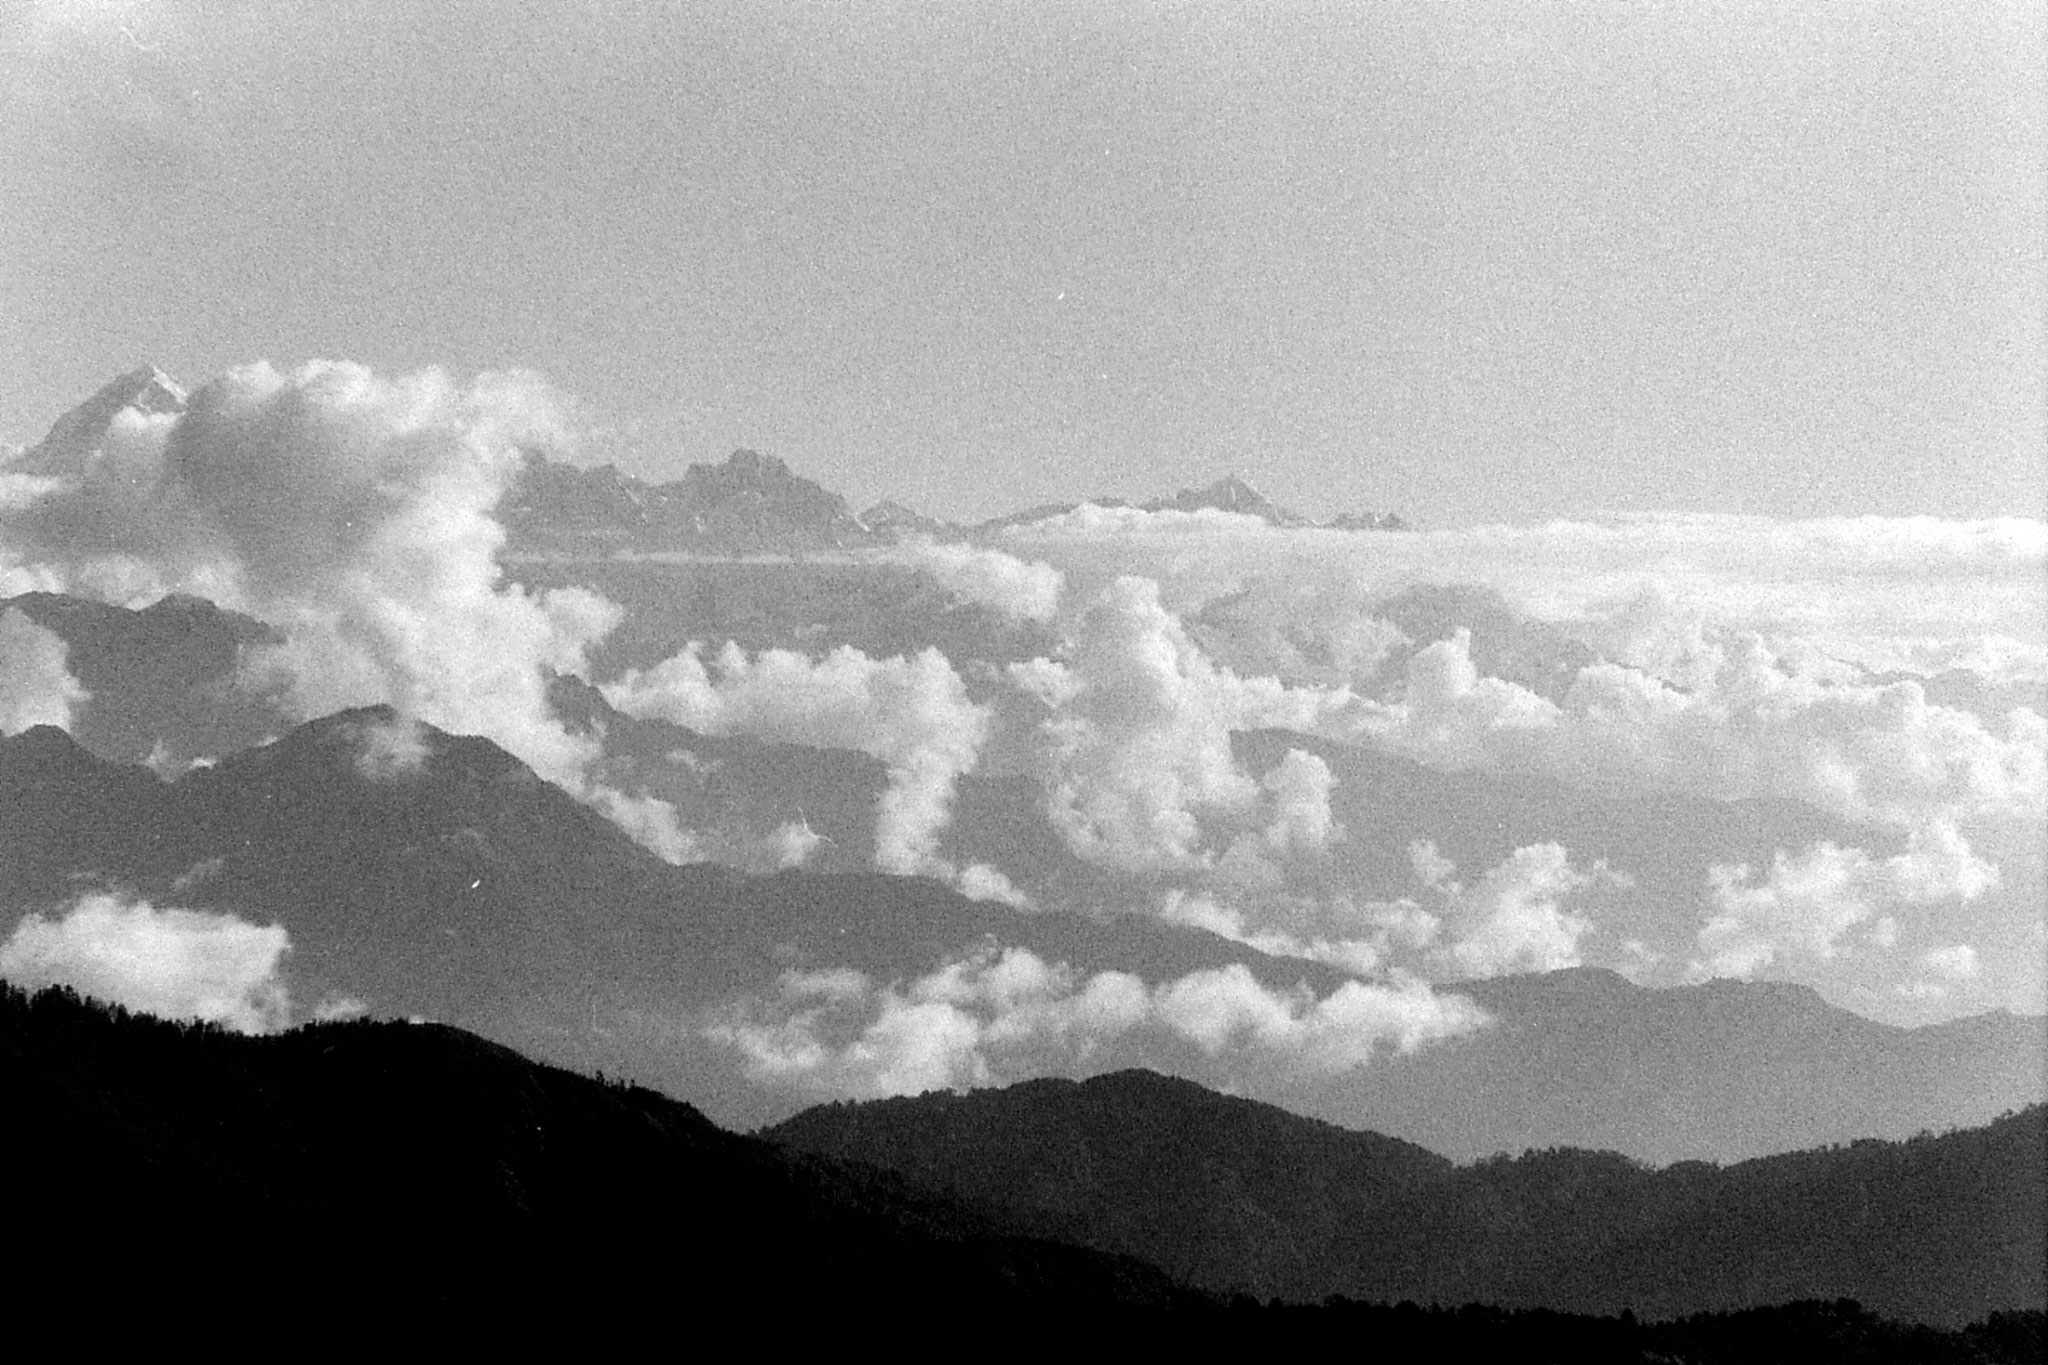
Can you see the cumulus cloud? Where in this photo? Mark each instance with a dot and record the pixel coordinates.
(353, 513)
(1749, 726)
(1024, 589)
(1299, 827)
(1806, 904)
(912, 714)
(997, 1014)
(178, 964)
(1136, 748)
(36, 686)
(1514, 920)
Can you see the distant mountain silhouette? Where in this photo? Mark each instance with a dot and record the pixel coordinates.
(1231, 493)
(1724, 1069)
(749, 504)
(1242, 1197)
(753, 504)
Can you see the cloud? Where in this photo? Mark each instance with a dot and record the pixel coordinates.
(912, 714)
(981, 882)
(1748, 726)
(177, 964)
(1914, 593)
(1806, 904)
(1136, 749)
(391, 750)
(353, 513)
(36, 686)
(1956, 962)
(1514, 920)
(1023, 589)
(1224, 1006)
(997, 1014)
(1300, 826)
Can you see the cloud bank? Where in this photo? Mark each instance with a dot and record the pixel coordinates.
(999, 1014)
(912, 714)
(177, 964)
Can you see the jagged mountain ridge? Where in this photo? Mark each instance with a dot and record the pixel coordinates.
(749, 503)
(1241, 1197)
(145, 389)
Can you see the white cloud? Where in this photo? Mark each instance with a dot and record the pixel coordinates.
(36, 686)
(1225, 1006)
(1300, 826)
(1137, 747)
(1514, 920)
(995, 1015)
(1912, 592)
(178, 964)
(981, 882)
(1020, 588)
(398, 748)
(353, 513)
(1748, 727)
(1806, 904)
(913, 714)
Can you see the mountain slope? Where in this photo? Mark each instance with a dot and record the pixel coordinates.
(1239, 1197)
(162, 679)
(458, 886)
(424, 1163)
(1221, 1191)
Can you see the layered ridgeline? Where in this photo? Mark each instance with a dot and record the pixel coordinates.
(1241, 1197)
(413, 1174)
(366, 862)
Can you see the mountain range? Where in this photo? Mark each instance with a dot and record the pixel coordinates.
(412, 1172)
(1240, 1197)
(748, 504)
(754, 504)
(466, 889)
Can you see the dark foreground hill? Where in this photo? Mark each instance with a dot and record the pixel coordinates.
(391, 1164)
(346, 1183)
(1242, 1197)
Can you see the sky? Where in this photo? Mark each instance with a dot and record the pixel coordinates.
(1477, 263)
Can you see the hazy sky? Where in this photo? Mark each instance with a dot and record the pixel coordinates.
(1474, 262)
